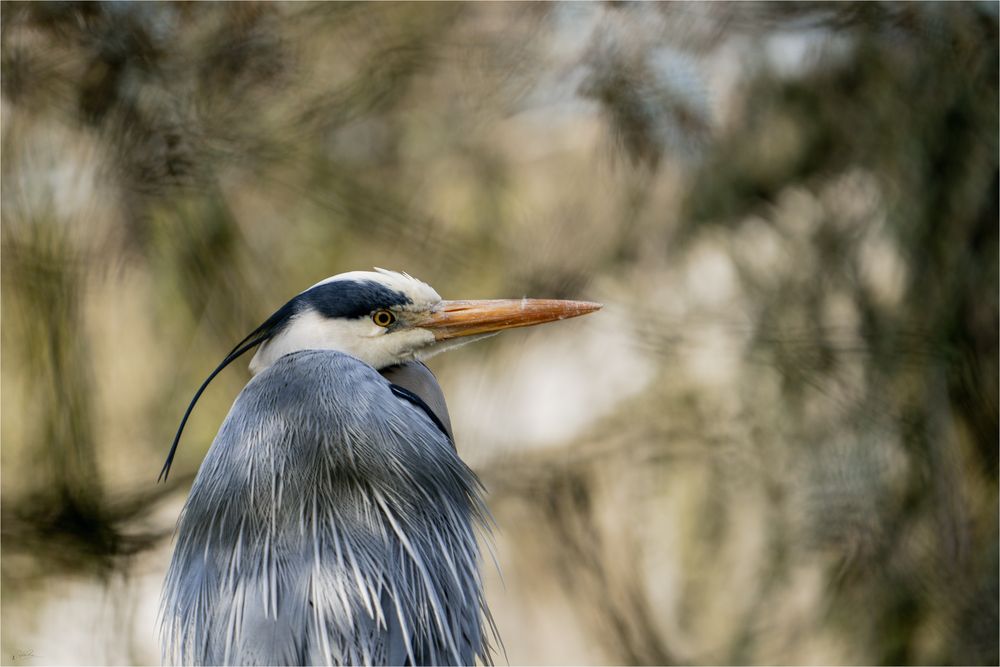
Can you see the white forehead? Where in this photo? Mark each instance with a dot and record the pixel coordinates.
(419, 291)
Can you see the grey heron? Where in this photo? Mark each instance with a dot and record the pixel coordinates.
(332, 520)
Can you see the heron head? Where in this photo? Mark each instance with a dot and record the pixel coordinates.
(382, 318)
(385, 318)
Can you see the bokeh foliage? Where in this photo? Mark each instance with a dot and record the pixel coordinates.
(790, 210)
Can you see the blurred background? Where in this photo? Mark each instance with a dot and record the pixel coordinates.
(776, 444)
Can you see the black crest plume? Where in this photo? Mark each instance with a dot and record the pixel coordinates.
(272, 326)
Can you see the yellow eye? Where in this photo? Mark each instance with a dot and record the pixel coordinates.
(383, 318)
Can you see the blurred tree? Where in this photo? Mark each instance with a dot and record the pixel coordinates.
(793, 222)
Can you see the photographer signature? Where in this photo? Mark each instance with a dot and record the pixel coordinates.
(23, 654)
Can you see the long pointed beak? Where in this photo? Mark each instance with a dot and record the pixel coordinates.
(453, 319)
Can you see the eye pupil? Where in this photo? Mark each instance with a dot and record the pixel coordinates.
(383, 318)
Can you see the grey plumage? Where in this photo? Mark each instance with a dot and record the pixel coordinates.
(354, 524)
(332, 521)
(415, 377)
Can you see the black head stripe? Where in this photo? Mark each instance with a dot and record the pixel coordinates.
(351, 299)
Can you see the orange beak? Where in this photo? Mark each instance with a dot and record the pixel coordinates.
(453, 319)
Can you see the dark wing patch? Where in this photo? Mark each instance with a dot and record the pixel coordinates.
(417, 378)
(408, 395)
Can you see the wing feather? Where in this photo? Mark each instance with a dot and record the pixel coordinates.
(331, 522)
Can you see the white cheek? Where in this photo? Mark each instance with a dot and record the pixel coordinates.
(308, 331)
(407, 345)
(380, 348)
(360, 338)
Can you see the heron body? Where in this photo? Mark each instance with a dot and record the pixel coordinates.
(332, 521)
